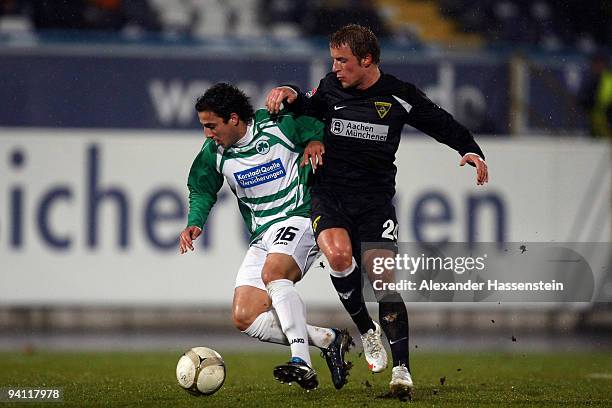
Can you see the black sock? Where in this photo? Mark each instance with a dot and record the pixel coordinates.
(351, 295)
(394, 322)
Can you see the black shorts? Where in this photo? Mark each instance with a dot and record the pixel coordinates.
(367, 218)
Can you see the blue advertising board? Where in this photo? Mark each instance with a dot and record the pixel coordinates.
(125, 92)
(476, 92)
(155, 91)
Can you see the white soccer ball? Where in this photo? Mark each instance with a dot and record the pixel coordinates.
(200, 371)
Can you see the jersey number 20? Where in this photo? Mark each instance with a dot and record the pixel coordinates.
(390, 231)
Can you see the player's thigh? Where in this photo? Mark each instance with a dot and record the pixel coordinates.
(327, 213)
(378, 234)
(280, 266)
(291, 249)
(249, 273)
(379, 264)
(378, 224)
(249, 302)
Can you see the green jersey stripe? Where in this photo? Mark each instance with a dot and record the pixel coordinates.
(242, 154)
(268, 199)
(280, 203)
(276, 132)
(276, 210)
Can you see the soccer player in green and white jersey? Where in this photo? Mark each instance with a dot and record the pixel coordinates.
(265, 160)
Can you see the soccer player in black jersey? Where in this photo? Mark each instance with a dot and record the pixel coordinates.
(364, 111)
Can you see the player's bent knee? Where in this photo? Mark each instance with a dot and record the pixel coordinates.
(280, 266)
(242, 321)
(340, 260)
(268, 276)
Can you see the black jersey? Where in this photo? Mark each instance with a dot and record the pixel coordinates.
(363, 131)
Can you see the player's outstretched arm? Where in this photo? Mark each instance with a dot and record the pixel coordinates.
(188, 235)
(482, 171)
(276, 97)
(313, 152)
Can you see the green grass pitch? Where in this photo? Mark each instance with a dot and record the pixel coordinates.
(470, 380)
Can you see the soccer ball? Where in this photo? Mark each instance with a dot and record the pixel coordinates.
(200, 371)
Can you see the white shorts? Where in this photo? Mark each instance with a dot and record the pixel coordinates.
(293, 236)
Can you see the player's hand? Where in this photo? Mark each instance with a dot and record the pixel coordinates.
(313, 152)
(482, 172)
(276, 97)
(187, 237)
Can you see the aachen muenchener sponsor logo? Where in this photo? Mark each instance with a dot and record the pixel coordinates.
(264, 173)
(359, 130)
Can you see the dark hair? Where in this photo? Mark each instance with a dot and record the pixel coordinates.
(224, 99)
(360, 39)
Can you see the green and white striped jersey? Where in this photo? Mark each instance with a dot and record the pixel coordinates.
(262, 169)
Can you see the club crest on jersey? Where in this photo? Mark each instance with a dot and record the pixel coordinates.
(382, 108)
(262, 147)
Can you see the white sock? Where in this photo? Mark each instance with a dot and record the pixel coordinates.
(291, 315)
(321, 337)
(266, 327)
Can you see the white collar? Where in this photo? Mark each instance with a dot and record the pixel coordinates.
(248, 136)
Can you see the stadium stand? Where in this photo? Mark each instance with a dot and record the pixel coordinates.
(112, 15)
(547, 25)
(550, 25)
